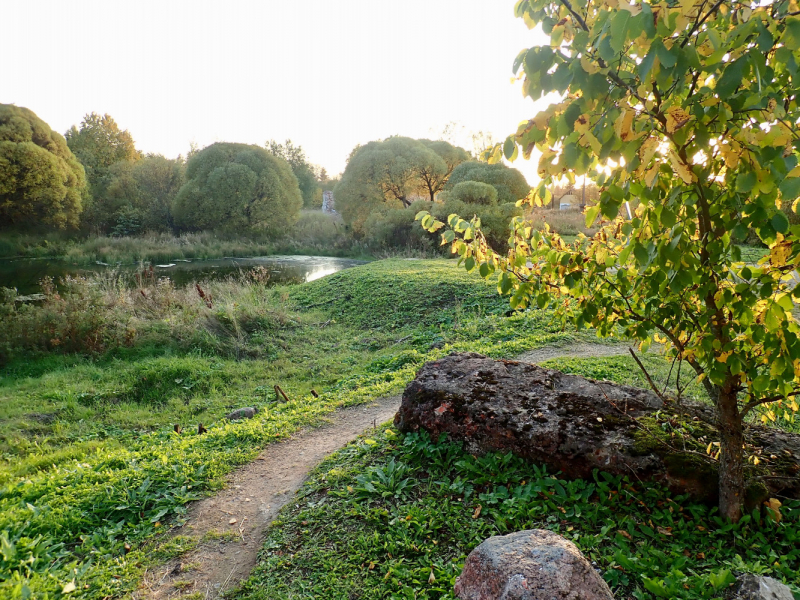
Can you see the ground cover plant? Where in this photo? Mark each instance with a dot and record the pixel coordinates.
(92, 468)
(394, 516)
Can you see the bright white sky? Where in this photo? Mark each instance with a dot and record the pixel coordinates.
(327, 74)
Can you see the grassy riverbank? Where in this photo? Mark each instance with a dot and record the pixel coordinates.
(97, 377)
(315, 233)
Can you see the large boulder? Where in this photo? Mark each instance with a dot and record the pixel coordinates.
(529, 565)
(575, 425)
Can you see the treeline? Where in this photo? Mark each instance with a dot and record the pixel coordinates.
(95, 180)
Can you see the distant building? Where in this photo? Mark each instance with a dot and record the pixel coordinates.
(327, 203)
(568, 202)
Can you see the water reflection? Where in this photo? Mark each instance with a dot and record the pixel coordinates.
(25, 274)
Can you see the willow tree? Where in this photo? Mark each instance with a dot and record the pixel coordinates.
(689, 111)
(238, 187)
(41, 181)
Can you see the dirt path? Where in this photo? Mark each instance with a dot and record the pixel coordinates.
(574, 350)
(231, 525)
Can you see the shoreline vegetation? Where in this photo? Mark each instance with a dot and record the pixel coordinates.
(93, 471)
(315, 233)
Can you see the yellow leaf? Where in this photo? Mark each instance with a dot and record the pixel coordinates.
(477, 512)
(432, 578)
(708, 450)
(622, 126)
(648, 150)
(774, 506)
(779, 254)
(677, 118)
(681, 170)
(755, 460)
(69, 587)
(634, 9)
(582, 124)
(588, 65)
(650, 175)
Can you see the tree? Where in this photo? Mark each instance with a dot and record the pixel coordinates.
(691, 109)
(393, 172)
(99, 143)
(305, 172)
(509, 183)
(41, 181)
(236, 187)
(143, 191)
(434, 174)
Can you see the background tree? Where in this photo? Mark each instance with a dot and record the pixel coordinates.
(307, 174)
(509, 183)
(41, 181)
(691, 108)
(139, 194)
(433, 173)
(238, 187)
(391, 173)
(99, 143)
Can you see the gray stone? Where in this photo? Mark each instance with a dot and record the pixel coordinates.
(757, 587)
(242, 413)
(576, 425)
(529, 565)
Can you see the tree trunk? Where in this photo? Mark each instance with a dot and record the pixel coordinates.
(731, 472)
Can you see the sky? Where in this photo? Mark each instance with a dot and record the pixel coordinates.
(327, 74)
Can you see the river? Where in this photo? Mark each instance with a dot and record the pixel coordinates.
(24, 274)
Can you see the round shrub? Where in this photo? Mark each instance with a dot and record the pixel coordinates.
(41, 181)
(473, 192)
(238, 187)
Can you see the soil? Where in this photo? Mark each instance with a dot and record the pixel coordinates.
(231, 525)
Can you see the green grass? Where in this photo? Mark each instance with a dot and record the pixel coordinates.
(90, 461)
(394, 516)
(91, 464)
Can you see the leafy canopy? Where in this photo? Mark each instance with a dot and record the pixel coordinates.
(509, 183)
(41, 181)
(688, 111)
(235, 187)
(393, 173)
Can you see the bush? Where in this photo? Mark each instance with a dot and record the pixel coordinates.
(396, 229)
(472, 192)
(509, 183)
(238, 187)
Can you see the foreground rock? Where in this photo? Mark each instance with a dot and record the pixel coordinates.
(756, 587)
(575, 425)
(529, 565)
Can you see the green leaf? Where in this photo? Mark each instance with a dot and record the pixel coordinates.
(619, 30)
(591, 214)
(791, 35)
(780, 223)
(509, 147)
(469, 263)
(731, 78)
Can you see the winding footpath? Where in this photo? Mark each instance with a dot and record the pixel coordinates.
(231, 525)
